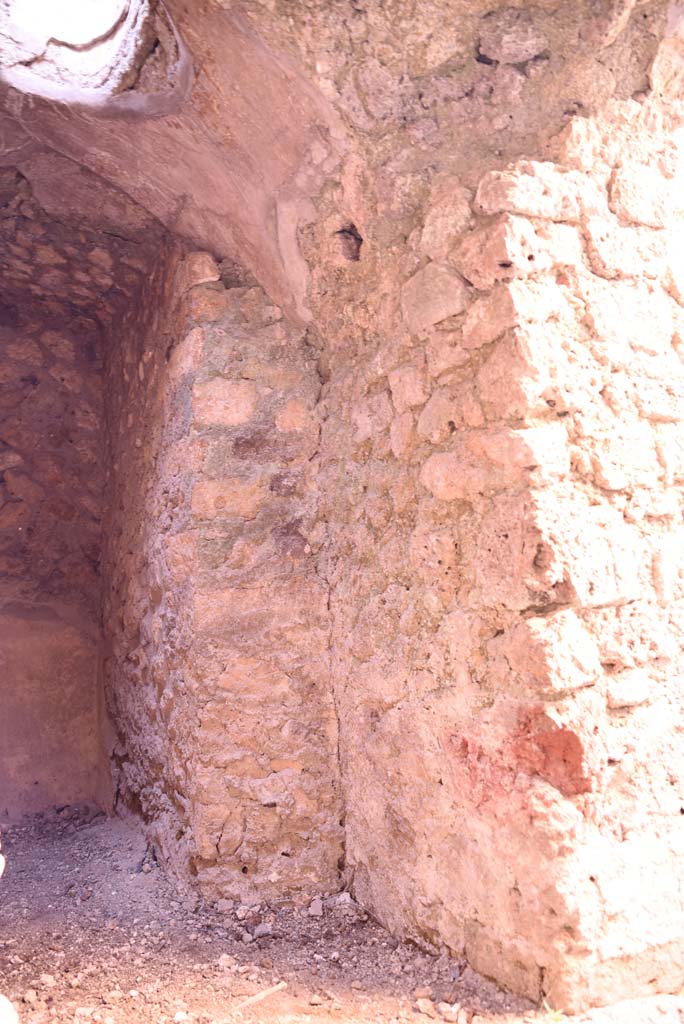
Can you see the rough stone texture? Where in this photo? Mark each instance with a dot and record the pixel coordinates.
(76, 257)
(497, 508)
(216, 622)
(445, 520)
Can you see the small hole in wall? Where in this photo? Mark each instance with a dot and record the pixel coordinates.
(244, 869)
(350, 242)
(482, 58)
(505, 264)
(681, 810)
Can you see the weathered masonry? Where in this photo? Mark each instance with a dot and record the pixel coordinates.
(342, 459)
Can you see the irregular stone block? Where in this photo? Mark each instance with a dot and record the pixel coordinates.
(509, 305)
(603, 555)
(297, 417)
(629, 689)
(616, 251)
(636, 314)
(535, 368)
(372, 417)
(212, 499)
(632, 635)
(430, 296)
(448, 215)
(444, 352)
(640, 195)
(511, 36)
(550, 656)
(617, 455)
(401, 433)
(538, 454)
(513, 248)
(440, 417)
(408, 387)
(489, 461)
(537, 189)
(196, 268)
(654, 396)
(226, 403)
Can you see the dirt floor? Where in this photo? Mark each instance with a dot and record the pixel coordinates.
(90, 930)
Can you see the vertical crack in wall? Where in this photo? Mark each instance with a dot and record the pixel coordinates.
(315, 346)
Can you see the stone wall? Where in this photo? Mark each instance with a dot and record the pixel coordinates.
(50, 515)
(216, 623)
(72, 258)
(500, 469)
(394, 600)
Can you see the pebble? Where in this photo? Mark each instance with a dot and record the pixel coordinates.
(426, 1006)
(341, 901)
(30, 996)
(315, 1000)
(47, 980)
(263, 931)
(450, 1012)
(316, 907)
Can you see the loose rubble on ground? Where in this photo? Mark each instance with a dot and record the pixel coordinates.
(91, 930)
